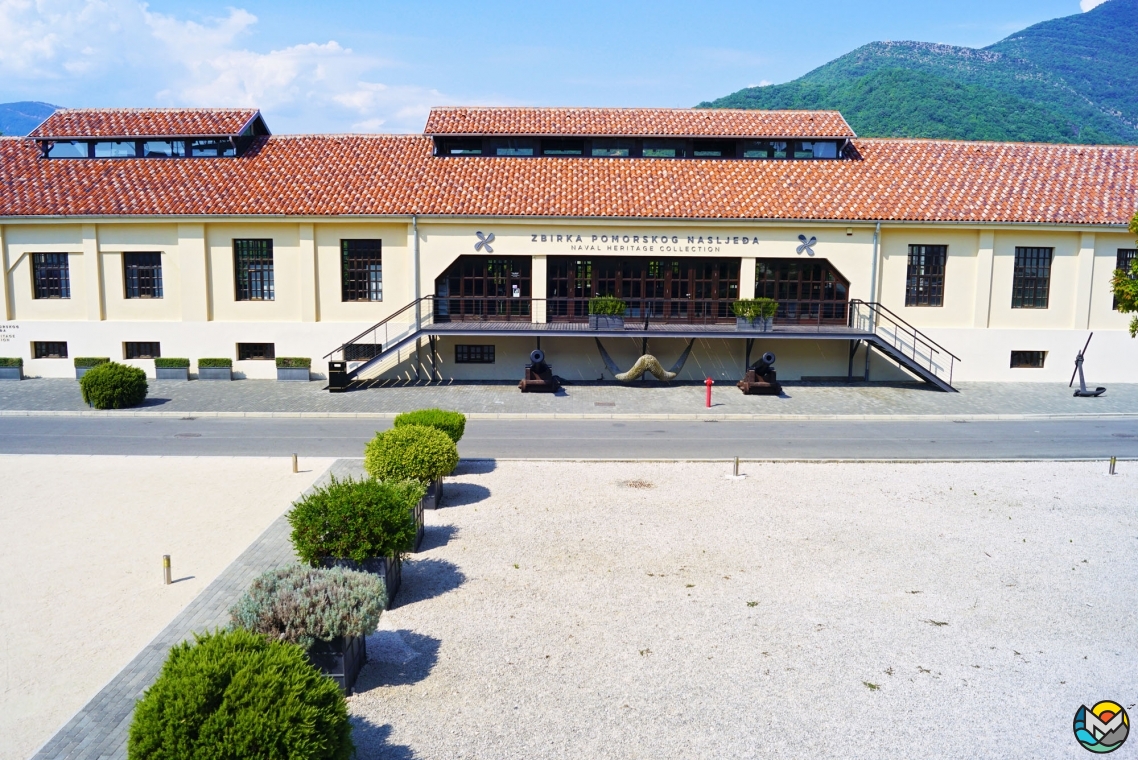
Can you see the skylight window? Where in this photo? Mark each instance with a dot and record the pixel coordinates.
(212, 148)
(67, 149)
(116, 149)
(664, 149)
(512, 147)
(164, 148)
(613, 148)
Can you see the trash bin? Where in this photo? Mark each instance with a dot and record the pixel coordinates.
(337, 377)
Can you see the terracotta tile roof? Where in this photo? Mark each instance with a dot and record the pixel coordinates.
(914, 180)
(612, 122)
(74, 123)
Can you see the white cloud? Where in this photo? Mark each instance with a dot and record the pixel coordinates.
(1086, 5)
(120, 50)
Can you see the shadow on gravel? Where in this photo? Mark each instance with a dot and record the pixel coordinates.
(427, 578)
(371, 742)
(473, 467)
(463, 494)
(436, 536)
(397, 658)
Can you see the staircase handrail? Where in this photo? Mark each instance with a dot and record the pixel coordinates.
(377, 325)
(875, 306)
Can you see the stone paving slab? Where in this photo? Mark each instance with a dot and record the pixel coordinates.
(99, 730)
(648, 400)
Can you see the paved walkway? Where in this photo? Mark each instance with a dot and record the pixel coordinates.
(100, 729)
(800, 401)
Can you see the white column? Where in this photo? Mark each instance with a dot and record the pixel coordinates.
(747, 277)
(1086, 276)
(93, 274)
(193, 271)
(5, 296)
(985, 260)
(309, 282)
(539, 280)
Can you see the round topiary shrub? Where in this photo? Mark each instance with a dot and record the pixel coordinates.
(451, 423)
(302, 605)
(356, 519)
(410, 452)
(235, 694)
(113, 386)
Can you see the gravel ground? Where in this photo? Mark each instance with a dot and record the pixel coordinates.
(640, 610)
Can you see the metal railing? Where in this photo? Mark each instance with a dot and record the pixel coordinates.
(905, 339)
(404, 323)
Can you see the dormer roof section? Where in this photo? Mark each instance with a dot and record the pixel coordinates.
(143, 123)
(461, 121)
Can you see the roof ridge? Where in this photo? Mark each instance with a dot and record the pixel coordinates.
(635, 108)
(950, 141)
(164, 109)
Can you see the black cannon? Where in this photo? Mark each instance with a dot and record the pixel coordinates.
(539, 375)
(761, 378)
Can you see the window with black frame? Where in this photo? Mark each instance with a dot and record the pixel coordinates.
(51, 275)
(473, 354)
(1031, 281)
(1125, 257)
(142, 273)
(256, 351)
(253, 269)
(141, 350)
(361, 267)
(924, 281)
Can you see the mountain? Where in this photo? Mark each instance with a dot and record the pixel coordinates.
(1070, 80)
(21, 118)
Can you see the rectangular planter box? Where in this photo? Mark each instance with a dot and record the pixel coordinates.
(80, 371)
(172, 373)
(292, 374)
(760, 324)
(215, 373)
(341, 659)
(605, 322)
(11, 373)
(434, 494)
(389, 568)
(420, 528)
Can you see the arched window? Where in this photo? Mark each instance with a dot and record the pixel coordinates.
(807, 291)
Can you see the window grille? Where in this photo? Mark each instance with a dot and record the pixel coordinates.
(1125, 257)
(1028, 359)
(143, 350)
(52, 275)
(473, 354)
(924, 282)
(253, 264)
(49, 349)
(362, 270)
(1031, 282)
(143, 274)
(255, 351)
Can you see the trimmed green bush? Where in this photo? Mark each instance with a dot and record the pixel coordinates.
(163, 362)
(753, 308)
(113, 386)
(293, 362)
(451, 423)
(235, 694)
(607, 305)
(410, 452)
(90, 361)
(8, 361)
(302, 605)
(214, 363)
(356, 519)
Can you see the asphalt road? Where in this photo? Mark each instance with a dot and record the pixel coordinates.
(1082, 439)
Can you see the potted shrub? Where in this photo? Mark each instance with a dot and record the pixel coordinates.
(237, 694)
(11, 368)
(215, 369)
(745, 311)
(327, 612)
(359, 525)
(171, 369)
(84, 363)
(767, 308)
(415, 452)
(451, 423)
(292, 369)
(606, 313)
(113, 386)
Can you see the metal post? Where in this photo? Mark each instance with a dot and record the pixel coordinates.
(294, 464)
(1113, 462)
(736, 466)
(166, 569)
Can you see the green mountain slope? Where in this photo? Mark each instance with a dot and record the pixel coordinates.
(1066, 80)
(21, 118)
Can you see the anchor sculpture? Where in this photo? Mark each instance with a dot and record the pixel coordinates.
(646, 363)
(1083, 391)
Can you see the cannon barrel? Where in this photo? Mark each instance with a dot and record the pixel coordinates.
(765, 363)
(537, 361)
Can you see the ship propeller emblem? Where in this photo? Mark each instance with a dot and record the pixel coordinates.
(807, 246)
(484, 241)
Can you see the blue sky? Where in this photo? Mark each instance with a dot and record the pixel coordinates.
(378, 66)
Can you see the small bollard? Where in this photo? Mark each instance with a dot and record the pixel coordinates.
(708, 382)
(166, 569)
(294, 466)
(1113, 462)
(736, 466)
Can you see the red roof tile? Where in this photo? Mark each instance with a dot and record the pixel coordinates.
(615, 122)
(71, 123)
(915, 180)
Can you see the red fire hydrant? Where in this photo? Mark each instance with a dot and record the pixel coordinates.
(707, 382)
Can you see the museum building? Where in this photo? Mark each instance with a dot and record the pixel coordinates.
(451, 255)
